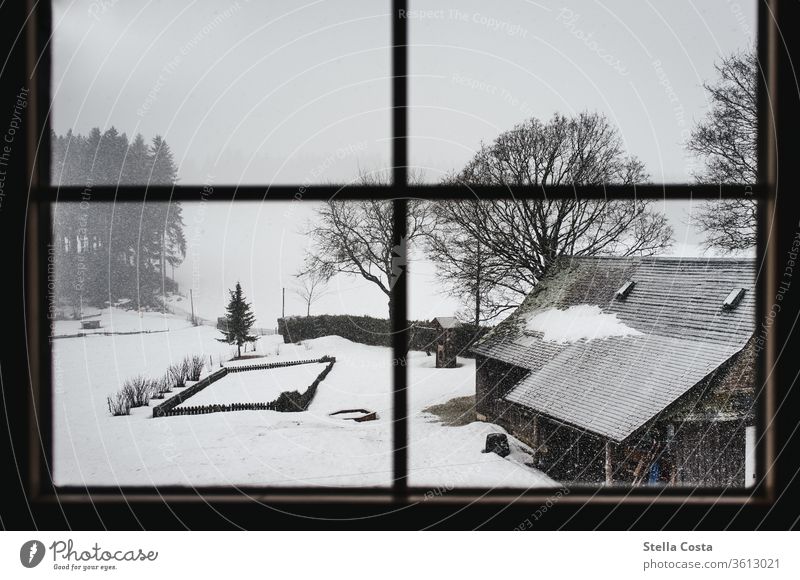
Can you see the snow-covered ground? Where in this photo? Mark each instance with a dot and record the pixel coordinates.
(263, 448)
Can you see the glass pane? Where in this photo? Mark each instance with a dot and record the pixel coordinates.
(241, 92)
(583, 92)
(164, 375)
(592, 353)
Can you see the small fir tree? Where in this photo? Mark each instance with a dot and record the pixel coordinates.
(239, 321)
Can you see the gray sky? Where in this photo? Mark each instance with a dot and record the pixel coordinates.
(276, 91)
(478, 68)
(299, 92)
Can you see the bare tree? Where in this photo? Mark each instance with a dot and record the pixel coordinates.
(492, 252)
(725, 140)
(311, 286)
(356, 238)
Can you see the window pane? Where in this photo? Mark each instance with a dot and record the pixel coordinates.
(592, 336)
(141, 288)
(241, 92)
(583, 91)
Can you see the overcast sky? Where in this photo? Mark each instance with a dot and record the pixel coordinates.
(299, 92)
(479, 68)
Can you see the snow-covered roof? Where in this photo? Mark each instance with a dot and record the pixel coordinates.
(447, 321)
(609, 366)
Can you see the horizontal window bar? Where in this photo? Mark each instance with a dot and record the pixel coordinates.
(324, 193)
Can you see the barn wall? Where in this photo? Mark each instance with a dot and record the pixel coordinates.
(569, 455)
(710, 453)
(493, 379)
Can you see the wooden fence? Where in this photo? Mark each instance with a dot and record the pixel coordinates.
(165, 408)
(287, 402)
(277, 365)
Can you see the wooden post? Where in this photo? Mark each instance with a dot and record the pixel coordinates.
(609, 464)
(536, 434)
(283, 306)
(191, 300)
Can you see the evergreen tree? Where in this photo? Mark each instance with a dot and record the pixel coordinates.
(110, 250)
(239, 321)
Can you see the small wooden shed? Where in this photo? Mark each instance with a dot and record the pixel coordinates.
(446, 353)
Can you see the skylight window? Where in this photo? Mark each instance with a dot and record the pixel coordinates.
(733, 299)
(625, 290)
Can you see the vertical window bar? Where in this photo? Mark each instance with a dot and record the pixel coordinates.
(398, 309)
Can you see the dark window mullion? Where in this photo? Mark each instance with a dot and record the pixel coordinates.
(399, 309)
(388, 192)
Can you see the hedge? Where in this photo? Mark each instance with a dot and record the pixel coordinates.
(373, 331)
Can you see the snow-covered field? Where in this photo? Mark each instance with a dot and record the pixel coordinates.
(263, 448)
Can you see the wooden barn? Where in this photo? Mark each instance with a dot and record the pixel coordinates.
(630, 370)
(446, 351)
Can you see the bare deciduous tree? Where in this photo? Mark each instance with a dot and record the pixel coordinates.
(492, 252)
(311, 286)
(356, 238)
(725, 140)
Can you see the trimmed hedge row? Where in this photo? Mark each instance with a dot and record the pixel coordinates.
(373, 331)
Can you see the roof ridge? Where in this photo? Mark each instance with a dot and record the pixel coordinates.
(723, 259)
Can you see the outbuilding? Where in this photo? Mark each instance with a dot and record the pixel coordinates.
(630, 370)
(446, 352)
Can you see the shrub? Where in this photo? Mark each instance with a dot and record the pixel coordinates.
(118, 404)
(137, 391)
(178, 374)
(195, 367)
(158, 387)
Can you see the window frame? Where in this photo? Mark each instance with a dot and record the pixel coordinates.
(39, 230)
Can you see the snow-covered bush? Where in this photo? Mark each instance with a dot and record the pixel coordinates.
(178, 374)
(159, 387)
(137, 391)
(118, 404)
(195, 366)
